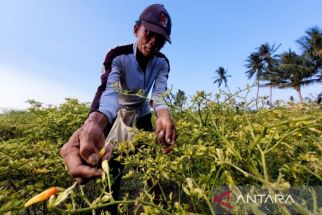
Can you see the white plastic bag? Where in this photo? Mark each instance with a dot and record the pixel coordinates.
(124, 127)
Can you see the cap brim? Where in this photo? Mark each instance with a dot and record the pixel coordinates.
(156, 29)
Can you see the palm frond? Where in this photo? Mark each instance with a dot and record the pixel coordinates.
(308, 82)
(255, 66)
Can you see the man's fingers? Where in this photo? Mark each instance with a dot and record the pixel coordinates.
(168, 149)
(158, 126)
(75, 165)
(91, 139)
(85, 172)
(161, 137)
(166, 133)
(82, 180)
(161, 134)
(88, 151)
(72, 143)
(170, 133)
(107, 156)
(174, 136)
(170, 137)
(108, 152)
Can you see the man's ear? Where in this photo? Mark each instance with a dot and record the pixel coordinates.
(136, 29)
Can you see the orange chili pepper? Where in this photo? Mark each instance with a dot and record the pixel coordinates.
(42, 196)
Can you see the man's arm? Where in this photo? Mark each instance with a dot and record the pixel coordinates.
(97, 118)
(165, 128)
(81, 152)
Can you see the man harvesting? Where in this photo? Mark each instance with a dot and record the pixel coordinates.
(135, 68)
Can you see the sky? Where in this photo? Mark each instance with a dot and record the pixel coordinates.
(54, 49)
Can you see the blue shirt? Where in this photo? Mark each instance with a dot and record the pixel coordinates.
(123, 77)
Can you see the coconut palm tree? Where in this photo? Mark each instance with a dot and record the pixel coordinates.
(295, 71)
(270, 61)
(256, 68)
(222, 76)
(271, 79)
(311, 45)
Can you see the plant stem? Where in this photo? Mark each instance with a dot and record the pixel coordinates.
(270, 140)
(228, 144)
(163, 194)
(313, 173)
(209, 205)
(263, 163)
(285, 135)
(84, 197)
(246, 173)
(108, 178)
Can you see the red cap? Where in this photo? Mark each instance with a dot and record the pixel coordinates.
(157, 19)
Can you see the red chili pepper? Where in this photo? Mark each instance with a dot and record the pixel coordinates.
(43, 196)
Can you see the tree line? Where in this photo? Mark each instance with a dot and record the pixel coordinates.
(285, 70)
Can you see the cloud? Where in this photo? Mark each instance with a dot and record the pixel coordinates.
(18, 86)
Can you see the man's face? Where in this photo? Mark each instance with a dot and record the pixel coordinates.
(148, 42)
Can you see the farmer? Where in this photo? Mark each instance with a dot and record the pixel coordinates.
(134, 68)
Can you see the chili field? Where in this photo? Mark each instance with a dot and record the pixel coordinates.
(220, 143)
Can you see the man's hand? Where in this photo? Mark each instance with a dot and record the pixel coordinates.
(81, 152)
(165, 130)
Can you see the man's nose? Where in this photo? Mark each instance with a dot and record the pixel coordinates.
(156, 40)
(153, 39)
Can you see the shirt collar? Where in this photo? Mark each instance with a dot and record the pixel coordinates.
(135, 46)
